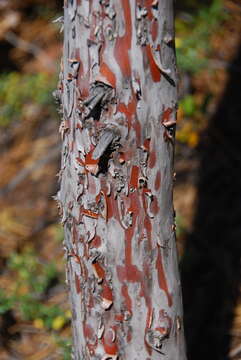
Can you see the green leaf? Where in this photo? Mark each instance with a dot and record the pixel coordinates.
(188, 105)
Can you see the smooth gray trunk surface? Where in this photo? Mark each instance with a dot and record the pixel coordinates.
(118, 88)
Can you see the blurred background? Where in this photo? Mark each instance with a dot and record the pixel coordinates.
(34, 312)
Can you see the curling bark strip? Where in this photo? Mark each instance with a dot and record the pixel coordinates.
(118, 93)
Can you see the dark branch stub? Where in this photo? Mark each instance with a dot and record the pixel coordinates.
(100, 94)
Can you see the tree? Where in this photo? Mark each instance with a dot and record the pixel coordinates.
(118, 89)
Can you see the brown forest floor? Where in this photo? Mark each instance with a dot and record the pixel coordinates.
(28, 215)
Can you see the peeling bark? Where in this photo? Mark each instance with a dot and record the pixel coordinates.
(118, 96)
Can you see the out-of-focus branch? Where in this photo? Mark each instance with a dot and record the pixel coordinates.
(25, 172)
(31, 48)
(236, 351)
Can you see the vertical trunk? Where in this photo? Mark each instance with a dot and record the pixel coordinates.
(119, 100)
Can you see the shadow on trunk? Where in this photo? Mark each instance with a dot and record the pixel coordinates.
(211, 263)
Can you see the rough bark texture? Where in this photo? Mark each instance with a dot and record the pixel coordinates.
(118, 92)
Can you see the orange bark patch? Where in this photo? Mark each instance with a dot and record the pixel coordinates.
(148, 6)
(119, 317)
(110, 204)
(134, 177)
(161, 277)
(129, 336)
(137, 127)
(152, 159)
(146, 145)
(158, 180)
(135, 207)
(91, 303)
(123, 44)
(121, 273)
(154, 206)
(166, 115)
(148, 227)
(154, 30)
(128, 272)
(133, 274)
(110, 341)
(122, 158)
(155, 71)
(89, 164)
(127, 298)
(123, 108)
(89, 213)
(129, 110)
(88, 331)
(96, 242)
(77, 284)
(149, 317)
(107, 292)
(98, 271)
(86, 254)
(108, 75)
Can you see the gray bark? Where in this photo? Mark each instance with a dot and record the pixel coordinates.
(118, 89)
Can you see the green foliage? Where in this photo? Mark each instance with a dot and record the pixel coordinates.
(59, 233)
(193, 35)
(19, 90)
(32, 279)
(65, 345)
(32, 310)
(36, 275)
(187, 104)
(180, 227)
(6, 303)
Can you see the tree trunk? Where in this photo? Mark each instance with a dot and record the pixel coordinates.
(118, 89)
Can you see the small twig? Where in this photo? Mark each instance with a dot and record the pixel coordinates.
(221, 64)
(235, 351)
(25, 172)
(236, 333)
(31, 48)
